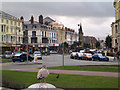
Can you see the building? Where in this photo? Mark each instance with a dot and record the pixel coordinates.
(80, 34)
(116, 26)
(70, 36)
(39, 36)
(60, 29)
(11, 32)
(90, 40)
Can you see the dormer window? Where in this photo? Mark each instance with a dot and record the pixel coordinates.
(25, 26)
(34, 26)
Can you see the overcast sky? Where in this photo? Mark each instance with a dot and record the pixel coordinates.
(95, 17)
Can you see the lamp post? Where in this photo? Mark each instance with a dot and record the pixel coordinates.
(63, 54)
(16, 38)
(26, 41)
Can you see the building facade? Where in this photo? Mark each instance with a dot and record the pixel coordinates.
(90, 40)
(71, 36)
(11, 32)
(39, 36)
(116, 26)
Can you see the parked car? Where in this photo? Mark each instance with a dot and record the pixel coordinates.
(53, 52)
(79, 55)
(38, 54)
(1, 56)
(8, 54)
(73, 55)
(70, 51)
(100, 57)
(21, 57)
(87, 56)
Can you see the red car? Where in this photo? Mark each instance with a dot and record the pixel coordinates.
(87, 56)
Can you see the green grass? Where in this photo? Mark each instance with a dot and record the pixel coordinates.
(5, 60)
(65, 80)
(103, 68)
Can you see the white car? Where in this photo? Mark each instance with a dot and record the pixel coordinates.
(8, 54)
(79, 55)
(38, 54)
(73, 55)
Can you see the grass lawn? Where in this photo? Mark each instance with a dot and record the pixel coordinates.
(65, 80)
(104, 68)
(5, 60)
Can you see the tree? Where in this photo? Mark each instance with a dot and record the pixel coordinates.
(108, 42)
(97, 44)
(86, 45)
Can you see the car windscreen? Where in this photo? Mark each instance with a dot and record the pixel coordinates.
(99, 54)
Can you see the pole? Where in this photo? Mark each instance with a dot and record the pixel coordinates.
(63, 54)
(27, 52)
(16, 39)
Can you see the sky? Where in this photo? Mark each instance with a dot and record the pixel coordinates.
(95, 17)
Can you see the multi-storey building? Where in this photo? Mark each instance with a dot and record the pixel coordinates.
(116, 26)
(38, 35)
(11, 32)
(90, 40)
(71, 36)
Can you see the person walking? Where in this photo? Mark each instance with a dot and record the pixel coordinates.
(114, 54)
(118, 55)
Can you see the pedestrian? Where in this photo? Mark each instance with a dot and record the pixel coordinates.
(114, 54)
(118, 55)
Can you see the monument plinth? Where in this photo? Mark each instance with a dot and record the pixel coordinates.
(42, 85)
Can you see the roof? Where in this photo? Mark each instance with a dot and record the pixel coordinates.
(29, 22)
(6, 15)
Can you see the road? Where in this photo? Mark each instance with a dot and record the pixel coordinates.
(52, 60)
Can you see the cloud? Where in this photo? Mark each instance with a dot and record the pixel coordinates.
(96, 17)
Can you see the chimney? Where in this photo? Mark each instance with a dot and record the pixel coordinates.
(32, 19)
(22, 18)
(41, 19)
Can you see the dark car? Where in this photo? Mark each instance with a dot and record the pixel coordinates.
(100, 57)
(22, 57)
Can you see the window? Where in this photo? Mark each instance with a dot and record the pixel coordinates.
(2, 28)
(2, 21)
(34, 26)
(2, 37)
(7, 21)
(52, 35)
(116, 29)
(45, 34)
(44, 40)
(15, 23)
(33, 39)
(19, 39)
(23, 33)
(11, 38)
(42, 33)
(11, 22)
(25, 27)
(33, 33)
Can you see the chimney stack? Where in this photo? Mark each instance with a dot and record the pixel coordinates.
(32, 19)
(41, 19)
(22, 18)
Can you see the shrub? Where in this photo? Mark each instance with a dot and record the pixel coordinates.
(7, 83)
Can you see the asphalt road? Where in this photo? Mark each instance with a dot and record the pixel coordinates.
(53, 60)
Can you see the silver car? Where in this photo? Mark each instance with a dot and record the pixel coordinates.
(38, 54)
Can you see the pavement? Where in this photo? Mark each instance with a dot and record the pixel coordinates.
(73, 72)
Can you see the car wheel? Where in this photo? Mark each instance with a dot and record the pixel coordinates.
(13, 61)
(22, 60)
